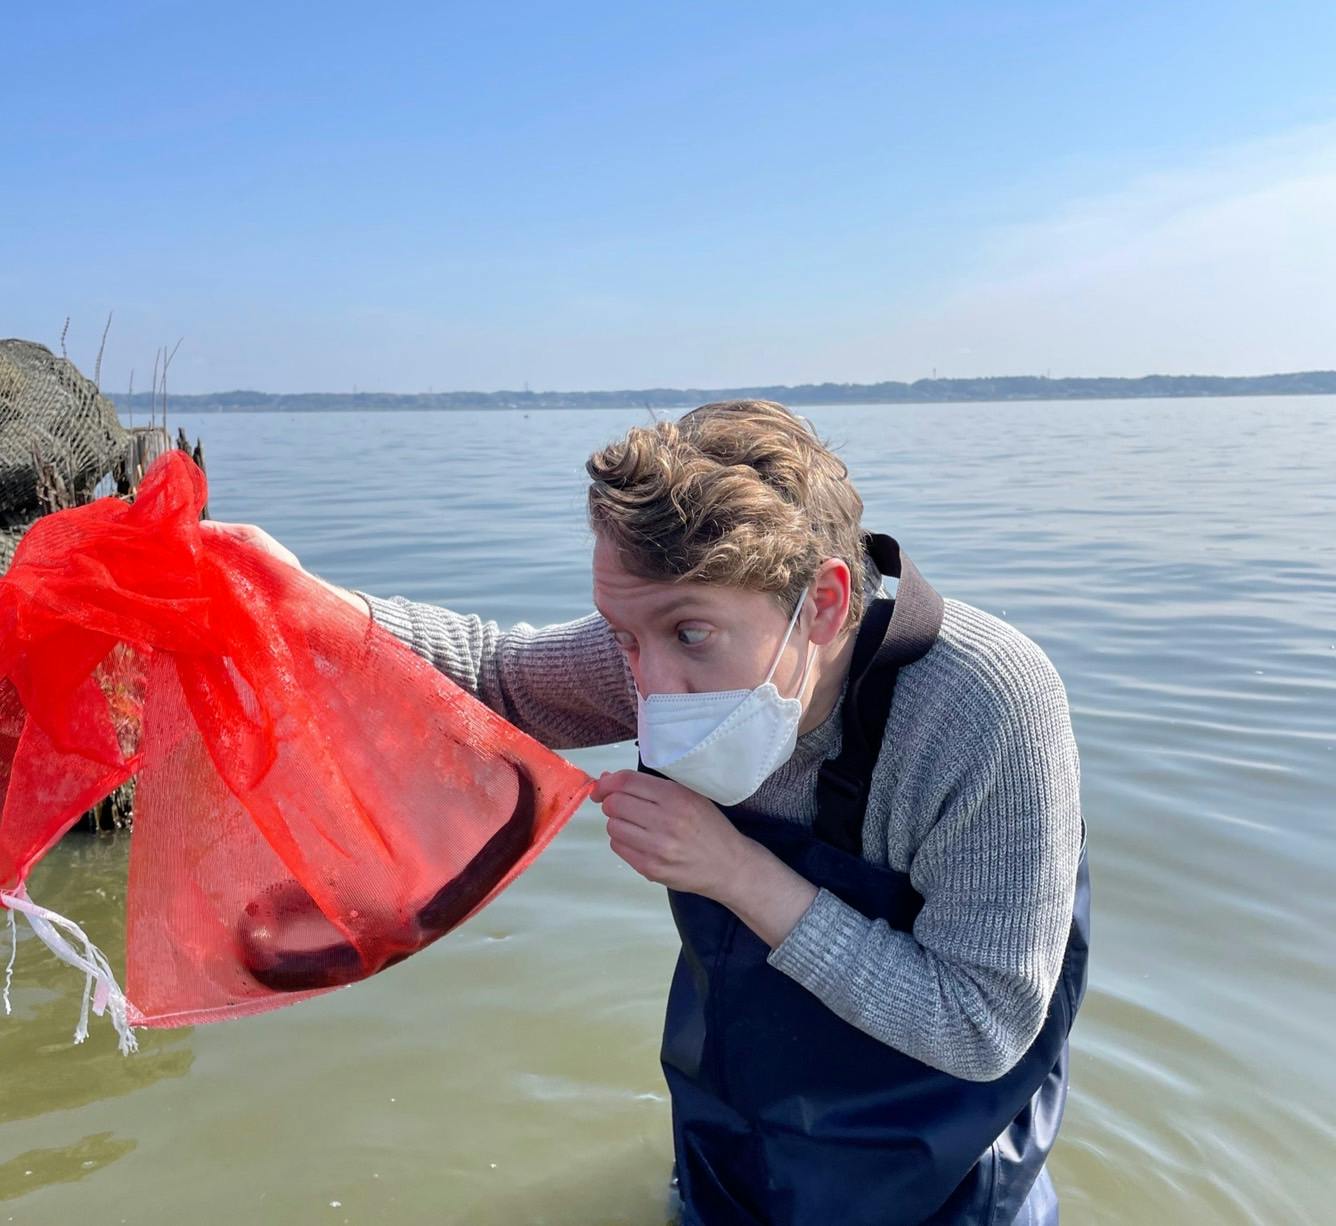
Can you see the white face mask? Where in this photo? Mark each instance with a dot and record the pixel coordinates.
(724, 743)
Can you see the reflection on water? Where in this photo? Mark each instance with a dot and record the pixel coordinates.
(37, 1168)
(47, 1079)
(1174, 559)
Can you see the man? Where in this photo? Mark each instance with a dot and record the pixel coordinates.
(866, 813)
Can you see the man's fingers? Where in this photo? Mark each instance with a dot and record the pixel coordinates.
(630, 783)
(632, 857)
(629, 807)
(637, 847)
(631, 835)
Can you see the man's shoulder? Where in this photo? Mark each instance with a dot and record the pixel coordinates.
(984, 670)
(978, 642)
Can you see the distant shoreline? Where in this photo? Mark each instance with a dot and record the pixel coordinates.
(923, 391)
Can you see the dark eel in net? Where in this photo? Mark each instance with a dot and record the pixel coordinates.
(272, 925)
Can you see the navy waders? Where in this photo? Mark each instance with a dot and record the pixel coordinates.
(784, 1114)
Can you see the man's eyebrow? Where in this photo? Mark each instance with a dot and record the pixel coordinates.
(687, 598)
(668, 609)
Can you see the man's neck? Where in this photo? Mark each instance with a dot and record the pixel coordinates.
(832, 666)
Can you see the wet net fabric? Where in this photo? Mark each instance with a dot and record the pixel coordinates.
(314, 802)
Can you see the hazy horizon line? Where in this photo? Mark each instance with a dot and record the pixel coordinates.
(740, 390)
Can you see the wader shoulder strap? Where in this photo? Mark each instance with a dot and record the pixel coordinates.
(893, 633)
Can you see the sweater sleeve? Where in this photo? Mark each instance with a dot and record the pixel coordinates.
(566, 685)
(968, 990)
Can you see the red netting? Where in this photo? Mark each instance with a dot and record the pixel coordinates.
(314, 801)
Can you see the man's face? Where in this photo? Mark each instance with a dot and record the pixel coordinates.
(688, 637)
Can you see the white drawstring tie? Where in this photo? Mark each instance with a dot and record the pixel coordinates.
(101, 991)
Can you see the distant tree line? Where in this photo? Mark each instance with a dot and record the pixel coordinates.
(921, 391)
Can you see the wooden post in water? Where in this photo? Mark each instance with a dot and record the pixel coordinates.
(196, 453)
(147, 443)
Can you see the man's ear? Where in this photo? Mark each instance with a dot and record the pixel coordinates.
(830, 590)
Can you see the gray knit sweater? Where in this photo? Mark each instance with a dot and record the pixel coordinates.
(976, 795)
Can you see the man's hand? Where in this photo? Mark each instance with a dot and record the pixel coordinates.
(253, 535)
(668, 833)
(258, 538)
(677, 837)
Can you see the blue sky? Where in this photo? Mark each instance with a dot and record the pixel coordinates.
(412, 196)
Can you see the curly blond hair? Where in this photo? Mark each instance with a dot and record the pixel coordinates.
(739, 492)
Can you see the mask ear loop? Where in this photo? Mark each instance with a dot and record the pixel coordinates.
(788, 634)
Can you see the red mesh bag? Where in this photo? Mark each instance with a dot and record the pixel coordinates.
(314, 801)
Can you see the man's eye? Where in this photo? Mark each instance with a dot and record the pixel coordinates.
(691, 635)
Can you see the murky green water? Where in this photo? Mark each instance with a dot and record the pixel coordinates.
(1177, 561)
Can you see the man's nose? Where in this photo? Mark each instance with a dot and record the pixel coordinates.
(653, 675)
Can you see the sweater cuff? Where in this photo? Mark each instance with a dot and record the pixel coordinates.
(390, 612)
(822, 942)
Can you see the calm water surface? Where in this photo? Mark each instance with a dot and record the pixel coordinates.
(1177, 561)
